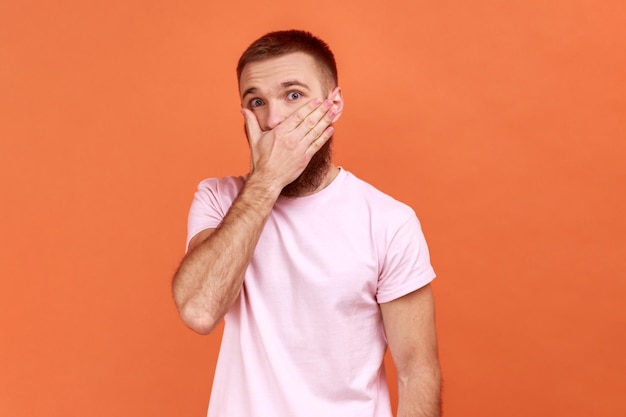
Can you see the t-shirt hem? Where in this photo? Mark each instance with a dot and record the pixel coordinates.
(407, 289)
(195, 232)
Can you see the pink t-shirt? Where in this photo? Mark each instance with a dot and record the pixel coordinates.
(305, 338)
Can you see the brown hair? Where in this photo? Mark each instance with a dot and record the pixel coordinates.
(279, 43)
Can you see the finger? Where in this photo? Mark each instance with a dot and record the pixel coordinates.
(315, 126)
(252, 125)
(315, 122)
(299, 116)
(316, 144)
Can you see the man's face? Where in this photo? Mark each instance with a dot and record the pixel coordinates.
(273, 89)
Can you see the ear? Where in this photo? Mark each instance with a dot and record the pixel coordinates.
(337, 99)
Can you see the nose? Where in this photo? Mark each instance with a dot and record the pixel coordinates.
(275, 114)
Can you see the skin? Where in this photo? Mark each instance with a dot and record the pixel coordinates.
(412, 339)
(289, 112)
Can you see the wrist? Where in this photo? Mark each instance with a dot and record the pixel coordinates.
(262, 187)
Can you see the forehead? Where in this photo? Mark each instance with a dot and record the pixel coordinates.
(270, 73)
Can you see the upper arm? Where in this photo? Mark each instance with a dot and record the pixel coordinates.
(410, 329)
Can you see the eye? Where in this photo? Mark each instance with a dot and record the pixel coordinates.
(256, 102)
(294, 95)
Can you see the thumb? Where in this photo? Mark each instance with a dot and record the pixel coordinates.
(253, 130)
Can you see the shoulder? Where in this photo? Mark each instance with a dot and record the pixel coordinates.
(223, 185)
(223, 190)
(391, 222)
(376, 201)
(211, 201)
(216, 194)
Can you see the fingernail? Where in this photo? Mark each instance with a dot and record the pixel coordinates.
(317, 101)
(327, 104)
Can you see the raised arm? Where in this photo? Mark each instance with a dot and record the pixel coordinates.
(210, 276)
(410, 328)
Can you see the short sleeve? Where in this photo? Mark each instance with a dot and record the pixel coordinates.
(210, 204)
(406, 265)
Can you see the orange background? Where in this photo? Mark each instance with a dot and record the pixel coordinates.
(501, 123)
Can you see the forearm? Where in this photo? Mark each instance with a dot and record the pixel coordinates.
(210, 277)
(419, 394)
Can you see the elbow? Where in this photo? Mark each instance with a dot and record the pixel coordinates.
(426, 371)
(193, 312)
(198, 320)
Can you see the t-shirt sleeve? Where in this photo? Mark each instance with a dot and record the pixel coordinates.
(406, 265)
(206, 212)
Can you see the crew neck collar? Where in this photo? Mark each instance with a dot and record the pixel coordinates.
(341, 174)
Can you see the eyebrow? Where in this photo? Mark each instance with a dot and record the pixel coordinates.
(284, 85)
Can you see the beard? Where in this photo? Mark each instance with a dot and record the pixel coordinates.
(313, 175)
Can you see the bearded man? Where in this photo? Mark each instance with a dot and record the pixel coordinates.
(315, 271)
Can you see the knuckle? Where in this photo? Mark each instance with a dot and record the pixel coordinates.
(298, 117)
(316, 145)
(316, 131)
